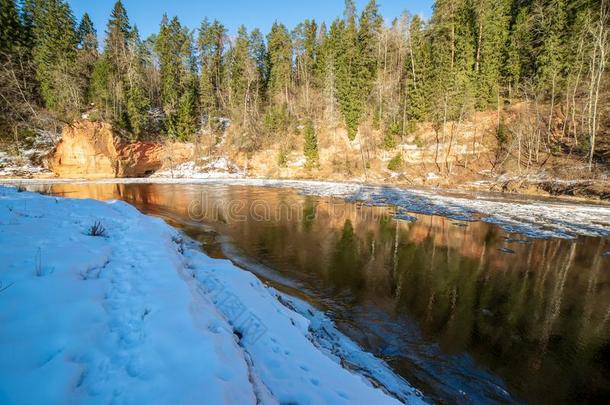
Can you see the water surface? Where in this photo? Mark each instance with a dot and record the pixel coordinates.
(463, 310)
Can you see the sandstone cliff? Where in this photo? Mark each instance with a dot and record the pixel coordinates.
(90, 150)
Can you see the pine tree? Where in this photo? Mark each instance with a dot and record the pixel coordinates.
(320, 60)
(87, 35)
(17, 83)
(100, 86)
(356, 63)
(310, 43)
(170, 67)
(327, 66)
(10, 27)
(417, 75)
(258, 54)
(550, 23)
(452, 50)
(305, 49)
(151, 76)
(137, 105)
(116, 54)
(187, 110)
(310, 149)
(178, 85)
(347, 70)
(211, 44)
(54, 56)
(463, 74)
(87, 54)
(242, 80)
(117, 78)
(28, 8)
(280, 63)
(519, 63)
(368, 33)
(491, 33)
(117, 38)
(188, 105)
(238, 66)
(138, 102)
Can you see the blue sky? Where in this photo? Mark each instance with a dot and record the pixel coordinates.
(260, 13)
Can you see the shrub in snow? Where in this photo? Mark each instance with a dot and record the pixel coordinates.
(97, 229)
(4, 287)
(38, 267)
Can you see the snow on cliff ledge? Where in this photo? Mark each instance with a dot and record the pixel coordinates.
(140, 316)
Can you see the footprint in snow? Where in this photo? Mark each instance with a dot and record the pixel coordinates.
(343, 395)
(224, 374)
(214, 327)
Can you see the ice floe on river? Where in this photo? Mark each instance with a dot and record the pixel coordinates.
(139, 315)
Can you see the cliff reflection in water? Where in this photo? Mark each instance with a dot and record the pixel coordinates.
(421, 294)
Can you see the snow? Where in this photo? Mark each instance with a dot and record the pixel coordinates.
(21, 165)
(299, 162)
(530, 217)
(333, 343)
(27, 161)
(141, 315)
(408, 147)
(24, 169)
(210, 169)
(534, 218)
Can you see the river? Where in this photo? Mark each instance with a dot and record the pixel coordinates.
(465, 311)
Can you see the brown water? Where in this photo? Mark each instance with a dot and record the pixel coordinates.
(443, 302)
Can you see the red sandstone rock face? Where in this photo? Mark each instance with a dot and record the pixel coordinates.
(90, 150)
(137, 159)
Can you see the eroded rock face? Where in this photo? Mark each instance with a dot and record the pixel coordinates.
(86, 149)
(137, 159)
(90, 150)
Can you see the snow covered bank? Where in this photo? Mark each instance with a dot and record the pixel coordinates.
(21, 165)
(535, 218)
(28, 155)
(206, 169)
(138, 315)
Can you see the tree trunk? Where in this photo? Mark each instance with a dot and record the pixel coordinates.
(479, 41)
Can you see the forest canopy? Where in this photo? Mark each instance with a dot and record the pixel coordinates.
(183, 81)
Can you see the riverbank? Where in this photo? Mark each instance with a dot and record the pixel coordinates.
(100, 302)
(93, 150)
